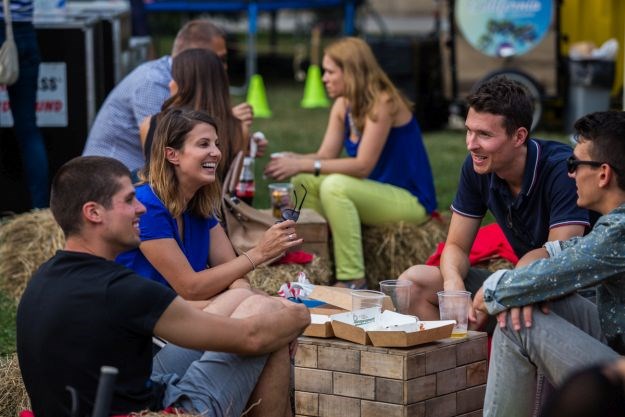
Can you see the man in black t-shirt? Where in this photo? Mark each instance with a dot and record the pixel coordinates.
(82, 311)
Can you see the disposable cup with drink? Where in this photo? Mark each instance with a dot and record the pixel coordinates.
(454, 305)
(280, 197)
(366, 306)
(399, 291)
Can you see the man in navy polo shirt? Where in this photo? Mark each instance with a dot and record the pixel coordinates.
(522, 181)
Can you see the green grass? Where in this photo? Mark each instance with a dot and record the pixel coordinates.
(301, 130)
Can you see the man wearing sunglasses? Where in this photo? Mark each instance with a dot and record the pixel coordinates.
(521, 180)
(575, 333)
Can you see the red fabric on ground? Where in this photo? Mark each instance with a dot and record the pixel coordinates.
(490, 242)
(295, 257)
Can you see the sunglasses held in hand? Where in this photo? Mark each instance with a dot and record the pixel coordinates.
(293, 214)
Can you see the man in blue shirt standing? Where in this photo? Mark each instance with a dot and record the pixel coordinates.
(115, 131)
(521, 180)
(575, 333)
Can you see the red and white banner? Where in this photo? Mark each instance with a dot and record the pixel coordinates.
(51, 103)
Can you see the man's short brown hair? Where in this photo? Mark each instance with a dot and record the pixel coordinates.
(197, 33)
(84, 179)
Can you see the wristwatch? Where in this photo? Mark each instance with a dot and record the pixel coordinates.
(317, 167)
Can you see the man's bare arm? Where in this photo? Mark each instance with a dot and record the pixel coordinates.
(186, 326)
(455, 257)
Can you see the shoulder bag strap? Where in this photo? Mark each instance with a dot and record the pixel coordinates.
(232, 176)
(7, 20)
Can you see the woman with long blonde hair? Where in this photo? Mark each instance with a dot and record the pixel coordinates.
(386, 176)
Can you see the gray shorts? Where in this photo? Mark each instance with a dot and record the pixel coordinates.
(213, 384)
(473, 282)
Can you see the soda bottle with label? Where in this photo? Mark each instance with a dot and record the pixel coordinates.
(246, 187)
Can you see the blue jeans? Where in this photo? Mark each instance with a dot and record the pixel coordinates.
(22, 96)
(212, 384)
(566, 339)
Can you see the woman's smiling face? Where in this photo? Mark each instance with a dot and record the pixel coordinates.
(196, 162)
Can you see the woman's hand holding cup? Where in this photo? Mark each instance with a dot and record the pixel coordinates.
(275, 241)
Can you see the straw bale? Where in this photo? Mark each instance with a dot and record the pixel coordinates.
(390, 249)
(269, 278)
(26, 241)
(13, 396)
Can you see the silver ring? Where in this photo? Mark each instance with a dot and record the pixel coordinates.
(291, 236)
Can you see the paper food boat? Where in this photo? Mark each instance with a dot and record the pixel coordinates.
(320, 325)
(392, 330)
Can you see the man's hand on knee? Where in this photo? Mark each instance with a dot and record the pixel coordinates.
(520, 313)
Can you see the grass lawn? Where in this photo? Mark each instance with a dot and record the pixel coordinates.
(300, 130)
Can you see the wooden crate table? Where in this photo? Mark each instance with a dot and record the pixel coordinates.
(446, 378)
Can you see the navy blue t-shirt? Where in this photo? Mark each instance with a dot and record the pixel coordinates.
(548, 197)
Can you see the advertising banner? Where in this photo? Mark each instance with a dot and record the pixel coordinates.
(51, 106)
(504, 28)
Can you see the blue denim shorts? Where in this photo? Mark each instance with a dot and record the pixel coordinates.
(213, 384)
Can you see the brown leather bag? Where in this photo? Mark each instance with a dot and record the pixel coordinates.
(244, 224)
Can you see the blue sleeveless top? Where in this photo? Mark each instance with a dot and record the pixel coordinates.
(403, 162)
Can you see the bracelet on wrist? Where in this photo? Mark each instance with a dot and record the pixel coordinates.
(250, 259)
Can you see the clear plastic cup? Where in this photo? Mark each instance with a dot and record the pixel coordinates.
(399, 291)
(280, 196)
(366, 306)
(454, 305)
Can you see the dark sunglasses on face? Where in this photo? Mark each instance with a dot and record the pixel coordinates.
(572, 163)
(293, 214)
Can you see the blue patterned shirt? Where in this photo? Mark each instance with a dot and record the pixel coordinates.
(595, 259)
(115, 131)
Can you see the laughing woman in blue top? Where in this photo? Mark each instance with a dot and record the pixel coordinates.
(386, 176)
(182, 244)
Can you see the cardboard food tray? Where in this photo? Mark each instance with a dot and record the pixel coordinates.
(394, 330)
(341, 297)
(320, 325)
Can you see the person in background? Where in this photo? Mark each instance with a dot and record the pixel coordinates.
(386, 176)
(199, 82)
(569, 332)
(182, 243)
(115, 131)
(521, 180)
(81, 311)
(22, 98)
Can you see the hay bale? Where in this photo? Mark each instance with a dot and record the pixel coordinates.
(13, 396)
(390, 249)
(26, 241)
(270, 278)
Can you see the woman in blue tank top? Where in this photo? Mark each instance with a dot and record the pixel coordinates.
(385, 178)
